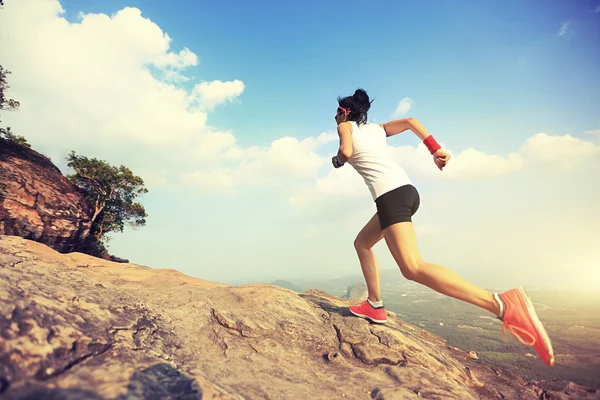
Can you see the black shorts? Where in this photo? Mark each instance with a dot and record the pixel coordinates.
(397, 205)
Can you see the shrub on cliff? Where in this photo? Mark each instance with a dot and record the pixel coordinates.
(111, 193)
(8, 105)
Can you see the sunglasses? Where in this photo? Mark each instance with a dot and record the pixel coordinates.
(342, 110)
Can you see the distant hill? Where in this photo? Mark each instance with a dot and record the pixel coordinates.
(288, 285)
(358, 291)
(339, 286)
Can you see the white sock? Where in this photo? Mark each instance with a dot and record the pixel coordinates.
(375, 303)
(502, 306)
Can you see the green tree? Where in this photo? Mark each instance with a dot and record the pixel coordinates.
(111, 193)
(8, 105)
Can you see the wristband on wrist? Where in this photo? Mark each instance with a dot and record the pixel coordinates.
(431, 144)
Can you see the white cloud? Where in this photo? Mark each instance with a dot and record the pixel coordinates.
(472, 164)
(404, 106)
(214, 93)
(597, 9)
(153, 178)
(339, 182)
(184, 59)
(325, 138)
(288, 155)
(562, 151)
(174, 65)
(212, 145)
(564, 28)
(223, 181)
(286, 160)
(96, 85)
(595, 132)
(468, 164)
(339, 198)
(345, 186)
(107, 86)
(174, 76)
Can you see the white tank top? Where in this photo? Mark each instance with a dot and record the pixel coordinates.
(372, 159)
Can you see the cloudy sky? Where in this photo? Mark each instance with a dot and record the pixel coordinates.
(226, 110)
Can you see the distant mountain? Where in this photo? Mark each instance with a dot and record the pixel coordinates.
(339, 286)
(358, 291)
(287, 285)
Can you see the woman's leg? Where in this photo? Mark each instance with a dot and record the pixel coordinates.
(366, 239)
(402, 243)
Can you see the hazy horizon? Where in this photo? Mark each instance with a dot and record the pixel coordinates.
(490, 285)
(227, 114)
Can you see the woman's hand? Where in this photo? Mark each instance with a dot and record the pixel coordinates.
(441, 158)
(336, 163)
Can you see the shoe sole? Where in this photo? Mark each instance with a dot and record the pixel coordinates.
(378, 321)
(538, 324)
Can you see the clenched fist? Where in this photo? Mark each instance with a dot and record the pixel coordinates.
(441, 158)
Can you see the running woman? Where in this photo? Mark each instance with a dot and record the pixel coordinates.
(363, 145)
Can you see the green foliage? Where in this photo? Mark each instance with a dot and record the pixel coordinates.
(5, 104)
(111, 193)
(8, 105)
(8, 135)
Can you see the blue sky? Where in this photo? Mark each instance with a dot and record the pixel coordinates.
(474, 67)
(240, 183)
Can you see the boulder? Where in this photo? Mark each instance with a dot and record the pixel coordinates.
(38, 202)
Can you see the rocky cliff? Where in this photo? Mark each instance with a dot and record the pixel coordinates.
(77, 327)
(39, 203)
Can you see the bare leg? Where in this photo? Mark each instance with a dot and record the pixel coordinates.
(366, 239)
(402, 243)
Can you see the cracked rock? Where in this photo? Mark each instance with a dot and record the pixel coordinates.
(40, 203)
(116, 331)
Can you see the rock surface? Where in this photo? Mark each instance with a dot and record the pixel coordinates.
(77, 327)
(39, 202)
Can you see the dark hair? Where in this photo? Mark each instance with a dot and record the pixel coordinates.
(358, 104)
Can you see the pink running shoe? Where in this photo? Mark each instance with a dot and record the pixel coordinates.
(521, 320)
(366, 310)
